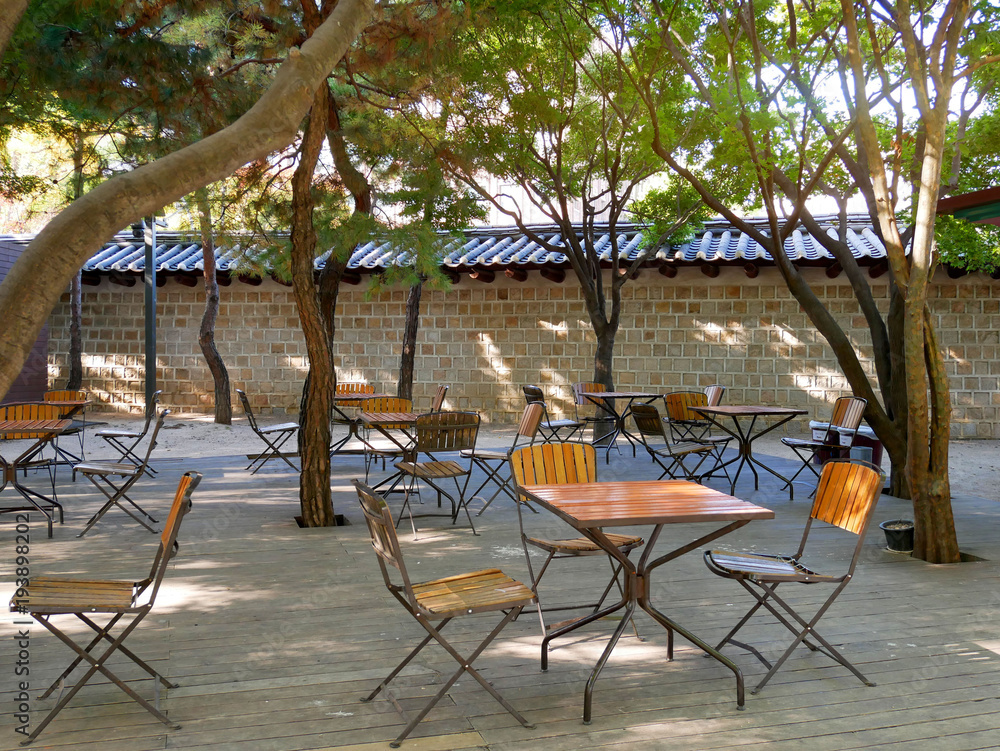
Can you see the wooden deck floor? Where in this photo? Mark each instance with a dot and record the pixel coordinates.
(274, 633)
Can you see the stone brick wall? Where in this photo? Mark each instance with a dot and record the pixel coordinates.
(486, 340)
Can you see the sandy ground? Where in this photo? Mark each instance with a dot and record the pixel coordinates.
(973, 464)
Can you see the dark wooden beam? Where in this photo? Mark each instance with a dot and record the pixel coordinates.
(878, 268)
(187, 280)
(668, 271)
(90, 279)
(253, 281)
(518, 275)
(553, 275)
(710, 270)
(834, 269)
(118, 277)
(486, 276)
(282, 282)
(224, 280)
(453, 276)
(751, 270)
(351, 277)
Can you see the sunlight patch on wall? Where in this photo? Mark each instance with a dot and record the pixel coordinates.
(490, 352)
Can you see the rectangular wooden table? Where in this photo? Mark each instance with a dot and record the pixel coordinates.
(590, 507)
(41, 431)
(744, 420)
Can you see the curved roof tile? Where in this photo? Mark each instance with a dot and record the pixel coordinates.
(719, 242)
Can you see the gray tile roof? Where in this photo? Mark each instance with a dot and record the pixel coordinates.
(494, 248)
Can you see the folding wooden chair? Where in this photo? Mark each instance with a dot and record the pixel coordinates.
(483, 591)
(686, 424)
(845, 498)
(548, 427)
(436, 433)
(125, 442)
(559, 463)
(46, 596)
(274, 436)
(669, 454)
(493, 463)
(848, 412)
(100, 474)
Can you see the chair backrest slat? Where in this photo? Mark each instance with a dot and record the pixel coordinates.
(554, 463)
(65, 396)
(847, 493)
(446, 431)
(437, 404)
(383, 537)
(349, 388)
(531, 418)
(714, 394)
(168, 538)
(848, 412)
(152, 438)
(533, 394)
(587, 387)
(386, 404)
(679, 405)
(648, 422)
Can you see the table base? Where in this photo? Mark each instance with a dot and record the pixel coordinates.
(637, 594)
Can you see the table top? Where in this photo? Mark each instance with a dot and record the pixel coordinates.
(358, 397)
(33, 426)
(624, 503)
(376, 418)
(750, 410)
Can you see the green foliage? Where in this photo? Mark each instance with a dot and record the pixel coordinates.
(964, 245)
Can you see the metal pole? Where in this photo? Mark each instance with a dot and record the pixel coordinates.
(150, 309)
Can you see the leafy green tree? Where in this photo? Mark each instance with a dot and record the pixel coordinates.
(812, 98)
(27, 297)
(538, 105)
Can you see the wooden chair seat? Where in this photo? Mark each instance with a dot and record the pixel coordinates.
(477, 591)
(432, 470)
(765, 568)
(55, 594)
(280, 427)
(107, 468)
(583, 546)
(807, 443)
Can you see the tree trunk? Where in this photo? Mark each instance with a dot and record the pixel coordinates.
(75, 380)
(314, 420)
(410, 328)
(27, 296)
(206, 335)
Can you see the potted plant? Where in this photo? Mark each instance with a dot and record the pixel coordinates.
(898, 535)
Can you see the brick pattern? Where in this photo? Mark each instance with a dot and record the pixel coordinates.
(486, 340)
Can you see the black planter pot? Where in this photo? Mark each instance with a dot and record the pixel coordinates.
(898, 535)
